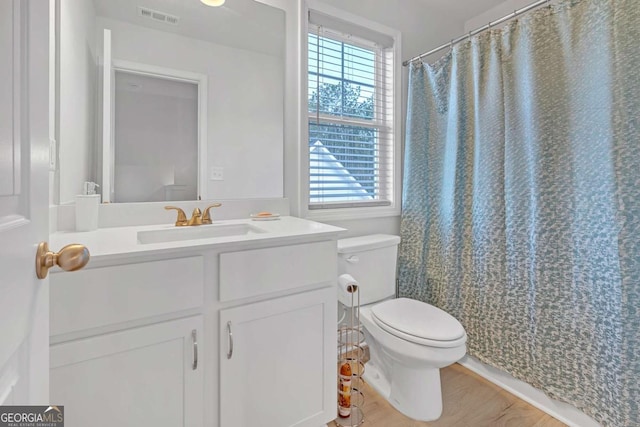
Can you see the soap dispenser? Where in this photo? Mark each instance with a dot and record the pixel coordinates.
(87, 205)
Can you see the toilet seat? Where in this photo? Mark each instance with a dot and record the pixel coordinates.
(418, 322)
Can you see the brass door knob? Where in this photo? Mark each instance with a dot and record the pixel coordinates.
(70, 258)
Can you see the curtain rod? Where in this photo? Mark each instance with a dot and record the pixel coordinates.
(478, 30)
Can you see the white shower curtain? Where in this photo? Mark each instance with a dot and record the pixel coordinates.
(521, 200)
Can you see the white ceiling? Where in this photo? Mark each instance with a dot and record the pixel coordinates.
(244, 24)
(462, 10)
(248, 24)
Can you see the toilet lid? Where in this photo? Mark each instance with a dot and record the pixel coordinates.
(409, 319)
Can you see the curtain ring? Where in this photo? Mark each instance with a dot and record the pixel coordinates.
(451, 44)
(469, 37)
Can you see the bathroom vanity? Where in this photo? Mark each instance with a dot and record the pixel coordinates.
(230, 325)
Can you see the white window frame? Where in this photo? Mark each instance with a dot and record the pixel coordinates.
(360, 211)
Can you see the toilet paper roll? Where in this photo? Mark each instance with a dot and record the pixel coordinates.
(347, 286)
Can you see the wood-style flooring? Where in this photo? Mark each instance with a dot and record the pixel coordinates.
(468, 401)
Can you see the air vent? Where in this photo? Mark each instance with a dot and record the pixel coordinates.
(158, 16)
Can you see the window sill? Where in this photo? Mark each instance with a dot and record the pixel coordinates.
(352, 213)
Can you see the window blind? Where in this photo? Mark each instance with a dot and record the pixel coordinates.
(350, 98)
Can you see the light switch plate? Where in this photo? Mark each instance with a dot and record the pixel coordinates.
(216, 173)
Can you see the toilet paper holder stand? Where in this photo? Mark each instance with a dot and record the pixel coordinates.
(351, 351)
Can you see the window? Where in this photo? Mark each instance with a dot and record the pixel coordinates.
(351, 115)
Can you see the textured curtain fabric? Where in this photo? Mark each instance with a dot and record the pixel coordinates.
(521, 200)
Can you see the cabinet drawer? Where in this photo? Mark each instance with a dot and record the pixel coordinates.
(102, 296)
(261, 271)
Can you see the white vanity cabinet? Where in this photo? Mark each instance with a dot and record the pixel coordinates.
(116, 358)
(240, 333)
(147, 376)
(277, 354)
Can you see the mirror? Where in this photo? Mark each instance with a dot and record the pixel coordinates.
(182, 101)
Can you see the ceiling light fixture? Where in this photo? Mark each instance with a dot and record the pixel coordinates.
(214, 3)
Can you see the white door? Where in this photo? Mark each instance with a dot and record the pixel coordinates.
(24, 160)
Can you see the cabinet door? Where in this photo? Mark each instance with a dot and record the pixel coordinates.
(145, 376)
(278, 362)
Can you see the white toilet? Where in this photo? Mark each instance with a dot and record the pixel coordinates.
(409, 340)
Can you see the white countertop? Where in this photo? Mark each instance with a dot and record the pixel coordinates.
(114, 242)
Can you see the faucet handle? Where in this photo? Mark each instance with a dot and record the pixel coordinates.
(206, 216)
(182, 217)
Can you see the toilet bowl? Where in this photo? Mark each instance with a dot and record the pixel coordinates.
(409, 341)
(405, 368)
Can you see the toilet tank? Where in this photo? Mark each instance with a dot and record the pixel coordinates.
(371, 260)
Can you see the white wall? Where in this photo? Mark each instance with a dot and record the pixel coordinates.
(245, 105)
(77, 102)
(495, 13)
(422, 29)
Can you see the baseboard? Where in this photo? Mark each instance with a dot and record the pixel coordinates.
(561, 411)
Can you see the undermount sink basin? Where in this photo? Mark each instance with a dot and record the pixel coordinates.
(199, 232)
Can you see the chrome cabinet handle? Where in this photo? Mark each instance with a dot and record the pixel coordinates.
(230, 352)
(194, 337)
